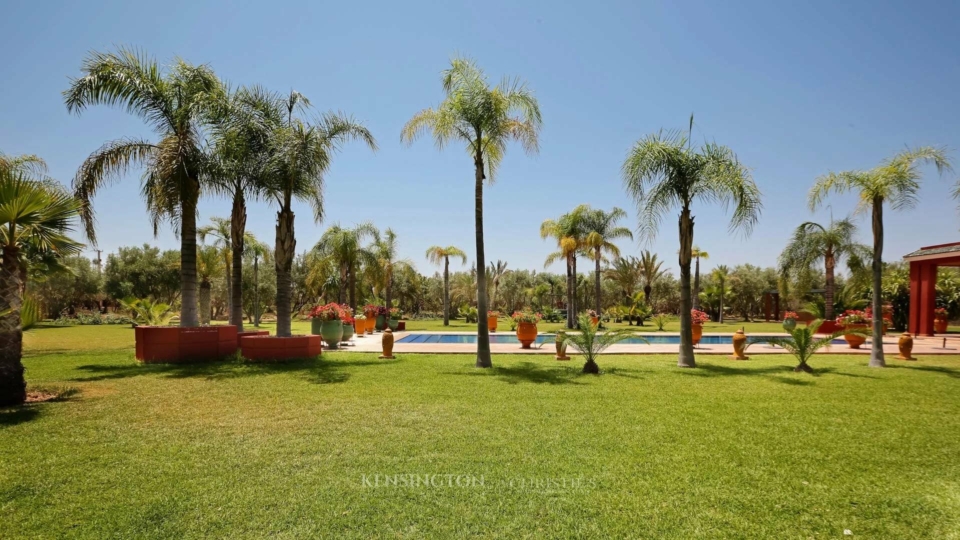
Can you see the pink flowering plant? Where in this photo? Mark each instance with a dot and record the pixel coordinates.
(698, 317)
(327, 312)
(853, 316)
(790, 315)
(940, 314)
(526, 317)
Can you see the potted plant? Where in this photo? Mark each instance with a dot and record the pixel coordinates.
(382, 315)
(790, 321)
(561, 343)
(327, 321)
(885, 320)
(395, 314)
(370, 312)
(854, 319)
(360, 323)
(492, 317)
(346, 317)
(940, 320)
(594, 319)
(526, 322)
(591, 343)
(698, 317)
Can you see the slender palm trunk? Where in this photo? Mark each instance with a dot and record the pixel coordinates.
(696, 285)
(570, 310)
(204, 302)
(828, 289)
(342, 289)
(388, 296)
(256, 291)
(483, 330)
(286, 244)
(238, 224)
(876, 348)
(723, 292)
(686, 358)
(353, 289)
(573, 280)
(446, 291)
(596, 286)
(188, 260)
(13, 386)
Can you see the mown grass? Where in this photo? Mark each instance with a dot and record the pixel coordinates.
(737, 450)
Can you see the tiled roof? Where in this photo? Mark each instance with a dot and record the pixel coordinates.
(934, 250)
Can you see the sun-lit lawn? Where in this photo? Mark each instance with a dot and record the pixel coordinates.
(746, 449)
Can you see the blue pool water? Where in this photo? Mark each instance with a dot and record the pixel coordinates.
(512, 338)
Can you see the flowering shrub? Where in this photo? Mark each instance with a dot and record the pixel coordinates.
(526, 317)
(790, 315)
(370, 308)
(346, 312)
(698, 317)
(348, 320)
(381, 311)
(853, 316)
(591, 313)
(493, 313)
(940, 314)
(360, 317)
(395, 314)
(328, 312)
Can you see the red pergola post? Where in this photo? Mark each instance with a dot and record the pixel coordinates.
(923, 294)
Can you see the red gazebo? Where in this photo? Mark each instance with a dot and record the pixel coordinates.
(923, 283)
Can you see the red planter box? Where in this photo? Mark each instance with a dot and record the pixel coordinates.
(240, 335)
(827, 327)
(175, 344)
(273, 348)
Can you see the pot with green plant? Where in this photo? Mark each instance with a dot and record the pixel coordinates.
(492, 317)
(790, 321)
(561, 345)
(803, 342)
(590, 342)
(526, 327)
(382, 314)
(854, 320)
(394, 314)
(360, 324)
(327, 321)
(940, 320)
(346, 317)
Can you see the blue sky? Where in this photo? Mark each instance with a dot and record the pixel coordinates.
(796, 89)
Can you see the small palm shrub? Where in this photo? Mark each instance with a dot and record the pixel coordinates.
(803, 342)
(147, 312)
(590, 342)
(660, 320)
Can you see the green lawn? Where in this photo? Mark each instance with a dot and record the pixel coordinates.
(229, 450)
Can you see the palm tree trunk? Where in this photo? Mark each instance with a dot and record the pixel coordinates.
(13, 386)
(388, 296)
(876, 348)
(353, 289)
(256, 291)
(446, 291)
(188, 261)
(570, 311)
(686, 358)
(828, 288)
(696, 285)
(483, 330)
(723, 292)
(596, 285)
(238, 224)
(342, 289)
(286, 244)
(204, 302)
(573, 279)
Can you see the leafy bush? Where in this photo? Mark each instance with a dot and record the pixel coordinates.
(661, 320)
(93, 319)
(29, 313)
(147, 312)
(552, 315)
(591, 342)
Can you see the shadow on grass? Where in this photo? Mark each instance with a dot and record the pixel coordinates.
(949, 372)
(773, 373)
(528, 372)
(18, 415)
(318, 371)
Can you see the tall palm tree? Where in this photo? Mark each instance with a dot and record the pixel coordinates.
(697, 254)
(813, 242)
(210, 265)
(568, 233)
(437, 255)
(497, 271)
(386, 254)
(221, 232)
(299, 156)
(650, 270)
(31, 212)
(485, 119)
(720, 275)
(344, 247)
(663, 171)
(896, 181)
(175, 105)
(601, 230)
(626, 273)
(258, 251)
(242, 124)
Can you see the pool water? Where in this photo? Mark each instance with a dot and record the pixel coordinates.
(542, 338)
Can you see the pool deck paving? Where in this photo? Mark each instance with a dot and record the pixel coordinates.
(372, 343)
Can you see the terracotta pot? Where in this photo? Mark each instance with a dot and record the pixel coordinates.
(347, 332)
(855, 340)
(905, 344)
(789, 324)
(393, 324)
(387, 343)
(594, 321)
(739, 344)
(381, 323)
(940, 326)
(371, 323)
(527, 334)
(561, 348)
(697, 333)
(492, 323)
(360, 327)
(332, 332)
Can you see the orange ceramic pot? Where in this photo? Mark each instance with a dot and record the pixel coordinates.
(855, 340)
(371, 323)
(492, 323)
(940, 326)
(594, 321)
(527, 334)
(697, 333)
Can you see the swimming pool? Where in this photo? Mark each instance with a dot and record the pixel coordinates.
(652, 339)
